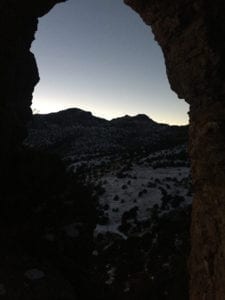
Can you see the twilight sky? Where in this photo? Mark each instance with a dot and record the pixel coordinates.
(99, 56)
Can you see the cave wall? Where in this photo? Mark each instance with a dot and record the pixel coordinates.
(190, 33)
(18, 72)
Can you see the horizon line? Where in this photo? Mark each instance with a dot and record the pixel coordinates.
(38, 112)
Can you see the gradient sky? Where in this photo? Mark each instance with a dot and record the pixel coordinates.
(99, 56)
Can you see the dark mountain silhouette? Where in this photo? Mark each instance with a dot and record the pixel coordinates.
(77, 132)
(65, 118)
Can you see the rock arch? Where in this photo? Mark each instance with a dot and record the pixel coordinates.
(191, 35)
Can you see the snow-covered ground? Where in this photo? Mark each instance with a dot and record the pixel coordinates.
(140, 190)
(143, 212)
(131, 185)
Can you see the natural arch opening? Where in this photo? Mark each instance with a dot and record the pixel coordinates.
(101, 58)
(139, 168)
(189, 33)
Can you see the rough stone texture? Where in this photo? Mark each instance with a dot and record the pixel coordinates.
(18, 72)
(191, 35)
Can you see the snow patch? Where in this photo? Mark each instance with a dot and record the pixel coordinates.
(111, 275)
(34, 274)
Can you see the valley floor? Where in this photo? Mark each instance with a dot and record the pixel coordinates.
(142, 198)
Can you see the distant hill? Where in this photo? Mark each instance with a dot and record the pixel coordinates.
(77, 132)
(135, 229)
(66, 118)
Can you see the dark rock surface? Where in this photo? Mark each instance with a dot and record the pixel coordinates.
(19, 73)
(47, 219)
(191, 36)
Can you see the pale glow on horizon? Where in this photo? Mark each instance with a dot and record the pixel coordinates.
(55, 105)
(111, 66)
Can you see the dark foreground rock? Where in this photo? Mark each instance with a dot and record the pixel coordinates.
(47, 220)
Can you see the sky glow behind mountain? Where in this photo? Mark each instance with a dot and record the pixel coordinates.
(99, 56)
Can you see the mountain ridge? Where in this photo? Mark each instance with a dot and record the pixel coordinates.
(75, 132)
(140, 116)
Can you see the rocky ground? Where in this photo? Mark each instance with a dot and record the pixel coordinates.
(141, 237)
(96, 210)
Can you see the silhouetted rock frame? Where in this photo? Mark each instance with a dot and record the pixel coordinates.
(191, 35)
